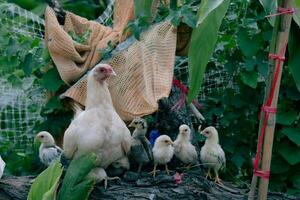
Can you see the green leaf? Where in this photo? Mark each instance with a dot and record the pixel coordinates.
(296, 14)
(294, 54)
(28, 64)
(279, 165)
(270, 7)
(289, 152)
(293, 134)
(250, 78)
(249, 45)
(142, 8)
(51, 80)
(75, 185)
(45, 185)
(203, 40)
(286, 117)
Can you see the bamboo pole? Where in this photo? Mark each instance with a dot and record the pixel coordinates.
(279, 41)
(253, 186)
(282, 41)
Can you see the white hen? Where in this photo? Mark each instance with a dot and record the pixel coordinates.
(48, 151)
(212, 155)
(184, 150)
(163, 152)
(2, 166)
(98, 128)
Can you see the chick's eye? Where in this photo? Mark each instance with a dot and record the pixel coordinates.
(185, 130)
(102, 70)
(166, 141)
(42, 136)
(135, 122)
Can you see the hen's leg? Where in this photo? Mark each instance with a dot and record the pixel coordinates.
(167, 170)
(154, 170)
(208, 174)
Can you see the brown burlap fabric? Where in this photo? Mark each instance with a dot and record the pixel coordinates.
(144, 70)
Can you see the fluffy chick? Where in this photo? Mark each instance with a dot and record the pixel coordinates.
(183, 148)
(211, 154)
(2, 166)
(48, 151)
(99, 174)
(140, 146)
(163, 152)
(118, 167)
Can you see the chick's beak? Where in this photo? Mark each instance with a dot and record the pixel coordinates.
(171, 143)
(112, 72)
(131, 125)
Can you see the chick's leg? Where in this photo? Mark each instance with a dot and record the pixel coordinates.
(154, 170)
(167, 170)
(208, 174)
(217, 179)
(140, 168)
(110, 179)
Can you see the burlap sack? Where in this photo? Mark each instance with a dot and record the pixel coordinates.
(144, 70)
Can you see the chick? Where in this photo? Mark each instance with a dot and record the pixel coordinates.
(211, 154)
(98, 174)
(2, 166)
(163, 152)
(140, 146)
(183, 148)
(48, 151)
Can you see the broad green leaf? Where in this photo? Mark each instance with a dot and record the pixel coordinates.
(44, 186)
(75, 185)
(293, 134)
(289, 152)
(203, 40)
(250, 78)
(142, 8)
(249, 45)
(51, 80)
(270, 7)
(294, 54)
(286, 117)
(28, 64)
(279, 165)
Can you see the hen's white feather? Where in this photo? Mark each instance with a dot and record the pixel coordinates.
(2, 166)
(97, 129)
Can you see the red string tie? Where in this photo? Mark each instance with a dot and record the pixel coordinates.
(282, 11)
(276, 57)
(262, 174)
(268, 109)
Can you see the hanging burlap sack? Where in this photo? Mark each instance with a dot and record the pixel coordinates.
(144, 70)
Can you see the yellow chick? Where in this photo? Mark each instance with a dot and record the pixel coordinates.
(163, 152)
(183, 148)
(211, 154)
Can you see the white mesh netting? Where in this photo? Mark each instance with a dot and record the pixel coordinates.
(20, 107)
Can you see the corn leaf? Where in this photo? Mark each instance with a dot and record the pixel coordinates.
(45, 185)
(142, 8)
(204, 37)
(294, 54)
(270, 7)
(296, 15)
(75, 186)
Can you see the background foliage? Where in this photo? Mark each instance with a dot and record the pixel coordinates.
(241, 48)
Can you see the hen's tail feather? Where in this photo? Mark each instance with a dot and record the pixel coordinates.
(77, 109)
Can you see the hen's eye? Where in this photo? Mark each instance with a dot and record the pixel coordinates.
(102, 70)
